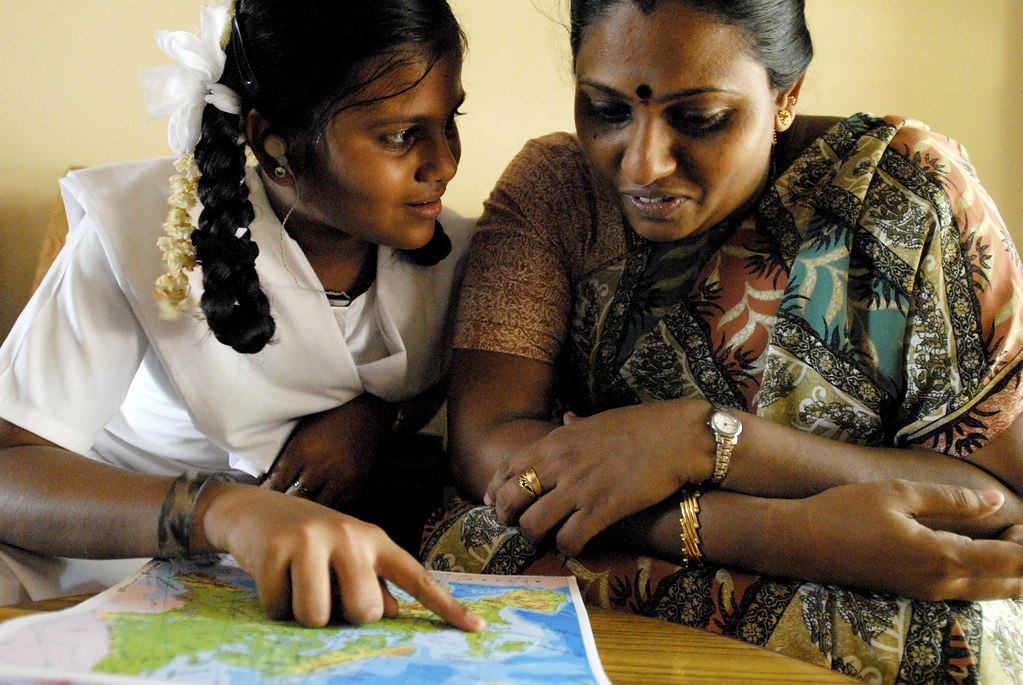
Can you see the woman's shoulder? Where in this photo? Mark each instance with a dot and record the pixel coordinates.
(552, 157)
(558, 143)
(805, 130)
(550, 197)
(894, 131)
(808, 129)
(915, 160)
(551, 173)
(551, 176)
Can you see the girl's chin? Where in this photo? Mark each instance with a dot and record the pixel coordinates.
(415, 238)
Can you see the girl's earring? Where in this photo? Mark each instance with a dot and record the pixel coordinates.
(276, 148)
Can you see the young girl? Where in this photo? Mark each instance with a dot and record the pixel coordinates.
(298, 317)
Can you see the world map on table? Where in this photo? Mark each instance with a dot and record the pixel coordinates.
(205, 625)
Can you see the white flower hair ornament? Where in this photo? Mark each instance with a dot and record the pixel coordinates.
(181, 91)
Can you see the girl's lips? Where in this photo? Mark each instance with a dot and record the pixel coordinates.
(427, 210)
(654, 208)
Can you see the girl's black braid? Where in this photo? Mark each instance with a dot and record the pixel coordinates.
(235, 307)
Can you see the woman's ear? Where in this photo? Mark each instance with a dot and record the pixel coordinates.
(786, 103)
(270, 149)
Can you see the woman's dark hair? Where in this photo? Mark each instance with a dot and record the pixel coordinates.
(777, 33)
(292, 61)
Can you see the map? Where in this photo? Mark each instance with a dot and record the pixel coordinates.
(205, 625)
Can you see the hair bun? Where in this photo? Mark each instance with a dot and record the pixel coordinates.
(435, 250)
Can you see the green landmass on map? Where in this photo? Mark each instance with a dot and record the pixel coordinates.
(227, 623)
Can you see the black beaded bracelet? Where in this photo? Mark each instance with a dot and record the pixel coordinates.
(175, 524)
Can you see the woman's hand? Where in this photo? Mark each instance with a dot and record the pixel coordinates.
(311, 562)
(329, 455)
(598, 470)
(868, 535)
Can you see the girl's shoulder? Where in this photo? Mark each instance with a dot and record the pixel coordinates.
(103, 193)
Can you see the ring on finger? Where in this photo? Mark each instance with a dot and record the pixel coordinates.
(529, 482)
(301, 489)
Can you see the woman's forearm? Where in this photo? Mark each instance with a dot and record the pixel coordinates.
(474, 465)
(863, 535)
(781, 462)
(497, 404)
(732, 531)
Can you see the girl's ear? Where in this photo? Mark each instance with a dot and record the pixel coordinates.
(269, 148)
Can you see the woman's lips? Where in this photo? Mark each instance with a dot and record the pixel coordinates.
(654, 207)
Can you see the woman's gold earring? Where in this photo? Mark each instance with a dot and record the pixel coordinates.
(785, 116)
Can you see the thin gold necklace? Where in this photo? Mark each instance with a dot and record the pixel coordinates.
(337, 298)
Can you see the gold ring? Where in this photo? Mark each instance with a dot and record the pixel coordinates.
(529, 482)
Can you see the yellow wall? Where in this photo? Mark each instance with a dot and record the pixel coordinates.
(70, 92)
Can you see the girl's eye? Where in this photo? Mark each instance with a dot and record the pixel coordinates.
(400, 139)
(452, 125)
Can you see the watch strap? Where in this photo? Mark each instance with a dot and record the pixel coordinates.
(724, 444)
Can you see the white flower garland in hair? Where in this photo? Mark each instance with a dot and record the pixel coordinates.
(181, 91)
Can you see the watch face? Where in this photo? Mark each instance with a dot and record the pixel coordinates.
(726, 423)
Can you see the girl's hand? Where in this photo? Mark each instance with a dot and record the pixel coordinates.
(598, 470)
(329, 455)
(311, 562)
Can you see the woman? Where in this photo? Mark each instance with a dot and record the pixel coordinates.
(301, 317)
(706, 334)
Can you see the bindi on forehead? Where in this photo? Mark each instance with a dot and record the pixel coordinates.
(644, 92)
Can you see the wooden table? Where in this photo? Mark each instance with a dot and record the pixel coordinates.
(643, 651)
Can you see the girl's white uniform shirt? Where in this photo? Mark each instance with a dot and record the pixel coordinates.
(91, 366)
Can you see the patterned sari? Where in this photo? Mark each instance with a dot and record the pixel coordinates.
(868, 311)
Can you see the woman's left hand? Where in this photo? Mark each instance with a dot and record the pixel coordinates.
(598, 470)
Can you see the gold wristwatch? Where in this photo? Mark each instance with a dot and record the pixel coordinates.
(726, 426)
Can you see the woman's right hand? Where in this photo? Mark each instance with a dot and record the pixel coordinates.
(869, 535)
(310, 561)
(598, 470)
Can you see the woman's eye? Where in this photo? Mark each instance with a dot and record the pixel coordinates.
(697, 123)
(608, 112)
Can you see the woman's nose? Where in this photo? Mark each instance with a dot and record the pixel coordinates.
(648, 154)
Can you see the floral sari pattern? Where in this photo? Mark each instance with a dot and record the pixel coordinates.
(867, 311)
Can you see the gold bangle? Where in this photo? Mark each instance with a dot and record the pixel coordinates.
(692, 555)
